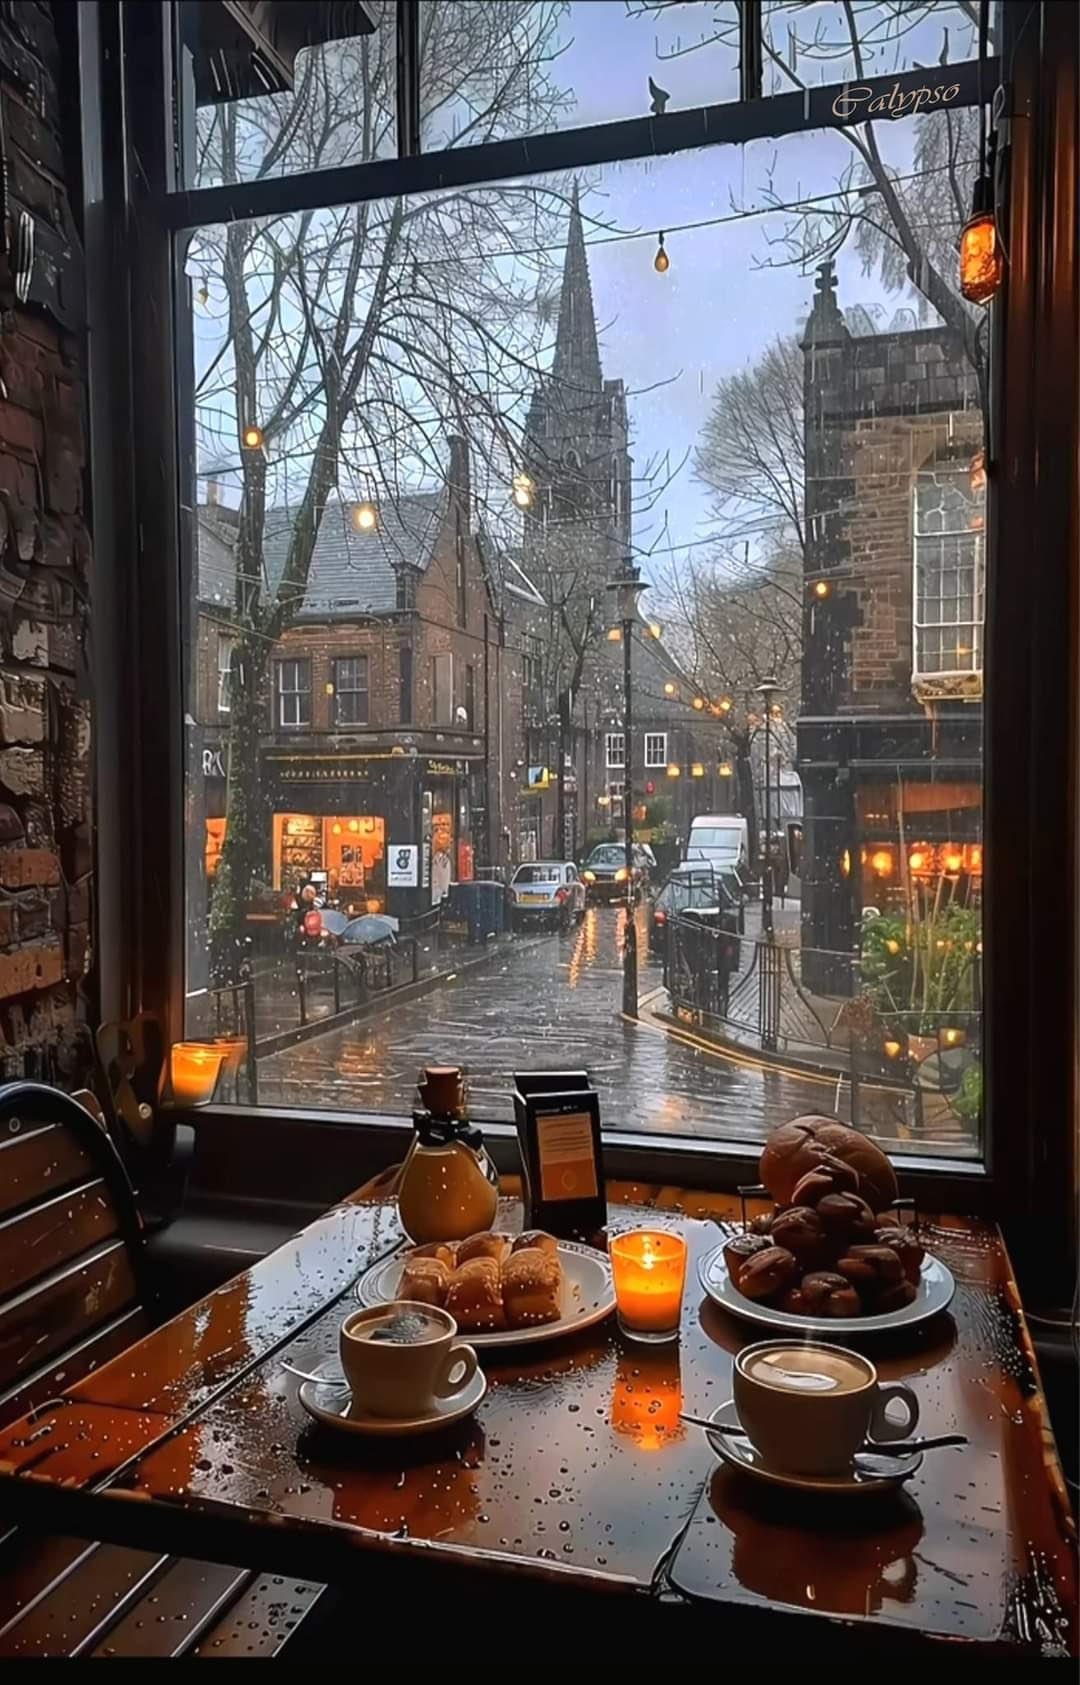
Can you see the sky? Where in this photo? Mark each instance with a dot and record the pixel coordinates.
(728, 292)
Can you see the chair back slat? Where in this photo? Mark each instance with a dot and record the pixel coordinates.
(71, 1252)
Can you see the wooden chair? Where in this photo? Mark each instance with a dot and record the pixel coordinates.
(74, 1293)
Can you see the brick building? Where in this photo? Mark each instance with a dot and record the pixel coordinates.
(890, 731)
(384, 728)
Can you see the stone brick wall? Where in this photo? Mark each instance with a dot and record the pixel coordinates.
(45, 836)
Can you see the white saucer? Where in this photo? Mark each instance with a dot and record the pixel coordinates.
(869, 1473)
(332, 1405)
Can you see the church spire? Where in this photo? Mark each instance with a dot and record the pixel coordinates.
(577, 354)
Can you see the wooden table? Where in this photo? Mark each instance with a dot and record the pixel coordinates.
(576, 1472)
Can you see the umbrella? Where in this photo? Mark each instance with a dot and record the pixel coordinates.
(334, 922)
(371, 928)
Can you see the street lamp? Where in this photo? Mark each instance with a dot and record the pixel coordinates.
(626, 585)
(767, 690)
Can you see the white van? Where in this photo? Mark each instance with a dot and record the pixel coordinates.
(722, 839)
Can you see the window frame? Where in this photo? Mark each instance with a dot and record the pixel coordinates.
(922, 671)
(615, 746)
(128, 66)
(302, 663)
(654, 737)
(226, 643)
(364, 690)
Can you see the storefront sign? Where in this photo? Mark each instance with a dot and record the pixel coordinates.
(446, 769)
(884, 99)
(402, 865)
(213, 763)
(322, 774)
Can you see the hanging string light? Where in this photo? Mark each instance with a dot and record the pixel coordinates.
(523, 490)
(661, 262)
(365, 516)
(203, 294)
(252, 438)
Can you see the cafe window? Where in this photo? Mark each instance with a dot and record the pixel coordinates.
(531, 392)
(293, 685)
(351, 690)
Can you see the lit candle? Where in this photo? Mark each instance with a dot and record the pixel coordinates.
(193, 1072)
(649, 1269)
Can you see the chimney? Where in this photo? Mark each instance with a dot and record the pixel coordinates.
(457, 475)
(213, 494)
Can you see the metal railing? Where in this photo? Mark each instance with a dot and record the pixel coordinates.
(340, 980)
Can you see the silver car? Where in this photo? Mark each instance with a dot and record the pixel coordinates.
(546, 892)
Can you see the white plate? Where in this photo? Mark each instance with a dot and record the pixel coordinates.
(869, 1473)
(330, 1403)
(935, 1293)
(588, 1296)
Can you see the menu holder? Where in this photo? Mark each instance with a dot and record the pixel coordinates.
(558, 1122)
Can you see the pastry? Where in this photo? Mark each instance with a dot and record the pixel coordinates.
(827, 1294)
(894, 1298)
(424, 1280)
(531, 1288)
(474, 1296)
(908, 1248)
(802, 1231)
(848, 1219)
(535, 1240)
(495, 1246)
(441, 1250)
(812, 1143)
(762, 1223)
(870, 1268)
(829, 1178)
(740, 1248)
(767, 1273)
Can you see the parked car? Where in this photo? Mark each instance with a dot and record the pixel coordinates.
(604, 872)
(546, 892)
(694, 887)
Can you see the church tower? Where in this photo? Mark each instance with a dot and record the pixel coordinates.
(577, 447)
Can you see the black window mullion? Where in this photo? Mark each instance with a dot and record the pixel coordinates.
(750, 54)
(408, 78)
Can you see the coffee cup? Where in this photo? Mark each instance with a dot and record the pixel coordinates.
(808, 1407)
(400, 1359)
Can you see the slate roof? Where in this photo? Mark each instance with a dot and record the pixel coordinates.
(351, 572)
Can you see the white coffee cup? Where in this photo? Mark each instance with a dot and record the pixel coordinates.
(399, 1359)
(808, 1406)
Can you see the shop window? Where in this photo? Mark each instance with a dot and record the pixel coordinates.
(470, 698)
(293, 683)
(950, 523)
(656, 748)
(614, 749)
(351, 690)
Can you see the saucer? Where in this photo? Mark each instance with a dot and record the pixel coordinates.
(332, 1405)
(869, 1473)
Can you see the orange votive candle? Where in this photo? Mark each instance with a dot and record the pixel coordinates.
(649, 1269)
(193, 1072)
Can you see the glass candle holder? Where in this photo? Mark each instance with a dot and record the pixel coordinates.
(194, 1068)
(649, 1271)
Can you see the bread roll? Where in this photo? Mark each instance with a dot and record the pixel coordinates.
(441, 1250)
(824, 1293)
(424, 1280)
(802, 1232)
(812, 1143)
(495, 1246)
(740, 1248)
(532, 1288)
(474, 1296)
(767, 1273)
(848, 1220)
(535, 1240)
(907, 1246)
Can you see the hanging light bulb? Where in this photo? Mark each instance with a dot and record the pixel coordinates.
(252, 438)
(203, 294)
(982, 260)
(699, 703)
(669, 688)
(365, 516)
(523, 490)
(661, 262)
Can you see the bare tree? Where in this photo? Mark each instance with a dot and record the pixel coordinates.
(353, 338)
(752, 454)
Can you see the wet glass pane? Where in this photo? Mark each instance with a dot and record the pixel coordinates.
(491, 68)
(431, 433)
(807, 43)
(340, 109)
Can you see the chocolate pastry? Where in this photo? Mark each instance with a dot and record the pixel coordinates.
(762, 1224)
(801, 1230)
(831, 1177)
(894, 1298)
(740, 1248)
(870, 1267)
(813, 1143)
(767, 1273)
(828, 1294)
(907, 1246)
(847, 1219)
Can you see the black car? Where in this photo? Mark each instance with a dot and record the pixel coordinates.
(604, 872)
(692, 888)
